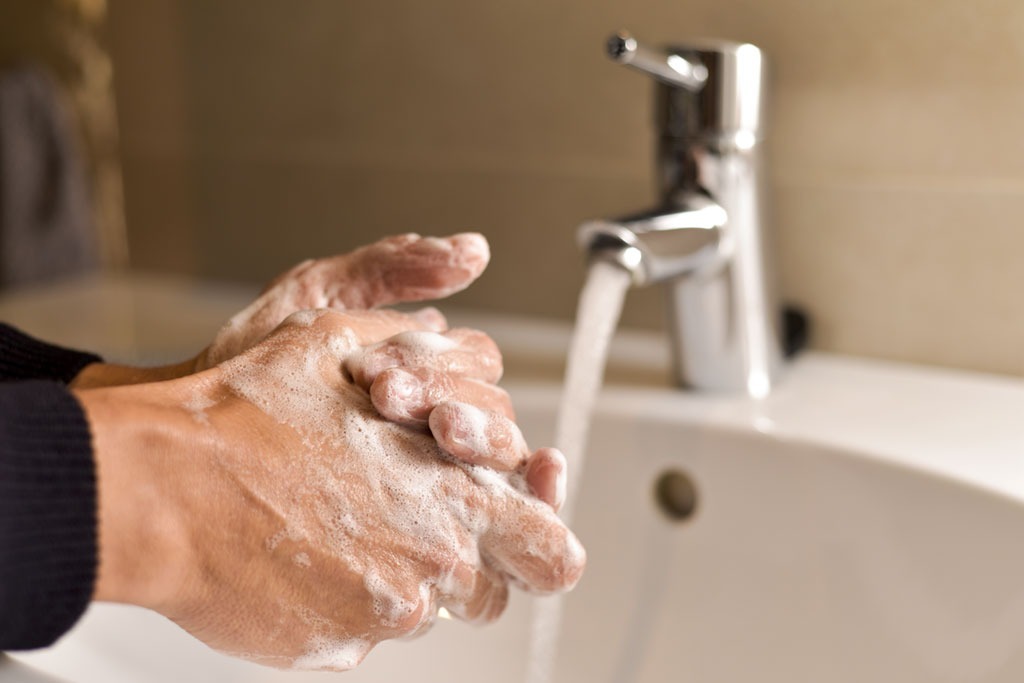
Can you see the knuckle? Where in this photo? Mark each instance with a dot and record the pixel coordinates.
(500, 438)
(417, 620)
(306, 318)
(326, 320)
(500, 403)
(413, 621)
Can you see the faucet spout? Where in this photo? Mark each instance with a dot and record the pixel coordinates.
(706, 241)
(663, 244)
(671, 69)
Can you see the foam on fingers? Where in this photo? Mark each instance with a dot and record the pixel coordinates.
(411, 348)
(541, 561)
(460, 352)
(408, 395)
(478, 437)
(481, 599)
(525, 538)
(373, 500)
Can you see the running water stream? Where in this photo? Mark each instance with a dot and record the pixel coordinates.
(597, 315)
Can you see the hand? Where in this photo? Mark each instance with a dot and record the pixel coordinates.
(268, 508)
(447, 381)
(405, 268)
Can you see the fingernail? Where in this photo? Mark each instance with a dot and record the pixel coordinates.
(547, 477)
(561, 484)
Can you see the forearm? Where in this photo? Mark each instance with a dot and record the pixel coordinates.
(139, 438)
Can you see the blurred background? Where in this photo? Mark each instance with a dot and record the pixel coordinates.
(249, 134)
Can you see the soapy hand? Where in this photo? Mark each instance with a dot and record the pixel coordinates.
(282, 518)
(445, 382)
(401, 269)
(404, 268)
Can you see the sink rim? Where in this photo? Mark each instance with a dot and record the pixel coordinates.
(960, 426)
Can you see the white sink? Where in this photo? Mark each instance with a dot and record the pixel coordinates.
(864, 523)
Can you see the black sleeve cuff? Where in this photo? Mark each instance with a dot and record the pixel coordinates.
(48, 514)
(24, 357)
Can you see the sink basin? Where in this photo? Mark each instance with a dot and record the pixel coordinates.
(863, 523)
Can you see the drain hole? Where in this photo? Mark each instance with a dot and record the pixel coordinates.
(676, 495)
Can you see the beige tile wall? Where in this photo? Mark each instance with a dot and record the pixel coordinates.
(257, 132)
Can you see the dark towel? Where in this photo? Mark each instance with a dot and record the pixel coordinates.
(46, 223)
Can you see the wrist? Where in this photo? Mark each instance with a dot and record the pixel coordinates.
(97, 375)
(138, 443)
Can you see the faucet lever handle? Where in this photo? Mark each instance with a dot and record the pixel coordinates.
(671, 69)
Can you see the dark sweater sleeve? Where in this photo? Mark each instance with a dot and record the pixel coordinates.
(48, 513)
(48, 516)
(24, 357)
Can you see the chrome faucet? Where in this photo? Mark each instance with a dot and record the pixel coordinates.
(705, 239)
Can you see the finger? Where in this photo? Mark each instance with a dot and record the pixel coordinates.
(431, 319)
(422, 619)
(546, 476)
(461, 352)
(363, 328)
(480, 597)
(340, 334)
(479, 437)
(475, 355)
(408, 395)
(532, 545)
(404, 268)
